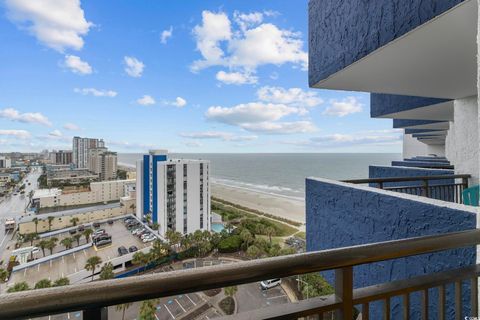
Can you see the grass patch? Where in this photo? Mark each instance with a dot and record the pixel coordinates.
(301, 235)
(227, 305)
(275, 240)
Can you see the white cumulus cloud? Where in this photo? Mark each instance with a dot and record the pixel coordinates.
(28, 117)
(280, 127)
(96, 92)
(291, 96)
(237, 78)
(146, 100)
(226, 136)
(56, 133)
(342, 108)
(166, 34)
(71, 126)
(133, 67)
(179, 102)
(77, 65)
(20, 134)
(252, 44)
(58, 24)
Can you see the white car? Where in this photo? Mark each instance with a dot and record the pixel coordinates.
(149, 239)
(137, 230)
(267, 284)
(146, 235)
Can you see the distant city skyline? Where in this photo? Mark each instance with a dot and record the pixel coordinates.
(208, 77)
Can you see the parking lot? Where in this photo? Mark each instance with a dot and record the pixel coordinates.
(74, 262)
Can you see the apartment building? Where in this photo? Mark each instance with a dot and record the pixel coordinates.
(103, 162)
(61, 157)
(5, 162)
(80, 148)
(174, 192)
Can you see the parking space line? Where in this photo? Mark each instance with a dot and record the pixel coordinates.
(169, 311)
(73, 255)
(180, 305)
(156, 317)
(190, 300)
(51, 263)
(84, 253)
(25, 272)
(276, 297)
(38, 267)
(63, 259)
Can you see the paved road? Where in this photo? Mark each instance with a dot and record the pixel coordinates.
(14, 206)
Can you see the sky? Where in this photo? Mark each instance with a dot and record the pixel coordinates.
(187, 76)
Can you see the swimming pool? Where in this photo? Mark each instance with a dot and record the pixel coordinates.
(217, 227)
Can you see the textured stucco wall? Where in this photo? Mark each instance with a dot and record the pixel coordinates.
(419, 164)
(403, 123)
(462, 143)
(412, 147)
(382, 104)
(342, 32)
(384, 171)
(340, 214)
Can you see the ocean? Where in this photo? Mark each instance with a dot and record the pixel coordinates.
(280, 173)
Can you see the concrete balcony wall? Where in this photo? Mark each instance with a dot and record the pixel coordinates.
(412, 147)
(384, 172)
(382, 105)
(462, 142)
(419, 164)
(341, 33)
(340, 214)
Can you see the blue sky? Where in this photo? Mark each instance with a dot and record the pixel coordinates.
(188, 76)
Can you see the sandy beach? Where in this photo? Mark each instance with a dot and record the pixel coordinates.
(284, 207)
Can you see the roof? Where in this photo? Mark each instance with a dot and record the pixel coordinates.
(42, 193)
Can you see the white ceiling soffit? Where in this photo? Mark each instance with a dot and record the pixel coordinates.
(440, 111)
(436, 59)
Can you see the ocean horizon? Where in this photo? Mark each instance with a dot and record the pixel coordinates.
(280, 174)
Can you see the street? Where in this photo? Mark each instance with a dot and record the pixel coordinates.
(12, 206)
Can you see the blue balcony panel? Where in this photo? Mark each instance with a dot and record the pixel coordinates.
(421, 164)
(424, 48)
(340, 214)
(414, 131)
(408, 107)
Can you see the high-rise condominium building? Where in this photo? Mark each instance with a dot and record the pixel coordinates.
(61, 157)
(103, 162)
(174, 192)
(80, 150)
(5, 162)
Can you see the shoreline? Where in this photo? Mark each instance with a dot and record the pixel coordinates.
(281, 206)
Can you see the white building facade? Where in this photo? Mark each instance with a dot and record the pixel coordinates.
(5, 162)
(175, 192)
(80, 150)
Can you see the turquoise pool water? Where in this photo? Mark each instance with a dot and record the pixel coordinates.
(217, 227)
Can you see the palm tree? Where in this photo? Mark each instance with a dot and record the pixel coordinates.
(61, 282)
(93, 263)
(44, 283)
(51, 244)
(253, 252)
(43, 244)
(87, 233)
(35, 220)
(230, 291)
(270, 231)
(19, 286)
(107, 271)
(74, 221)
(123, 307)
(3, 275)
(247, 237)
(50, 220)
(148, 309)
(158, 250)
(173, 237)
(140, 258)
(67, 243)
(77, 238)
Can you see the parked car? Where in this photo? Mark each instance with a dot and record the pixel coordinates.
(103, 242)
(122, 250)
(98, 232)
(146, 235)
(138, 231)
(110, 222)
(81, 228)
(142, 233)
(72, 231)
(96, 224)
(132, 249)
(267, 284)
(149, 239)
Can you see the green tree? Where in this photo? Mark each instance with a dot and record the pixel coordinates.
(107, 271)
(50, 220)
(173, 237)
(30, 237)
(61, 282)
(51, 244)
(44, 283)
(3, 275)
(35, 220)
(43, 244)
(92, 264)
(77, 238)
(74, 221)
(140, 258)
(247, 238)
(87, 233)
(158, 250)
(19, 286)
(253, 252)
(67, 243)
(148, 309)
(270, 231)
(230, 291)
(123, 307)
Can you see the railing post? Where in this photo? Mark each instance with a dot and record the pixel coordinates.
(96, 314)
(426, 188)
(344, 292)
(465, 183)
(380, 185)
